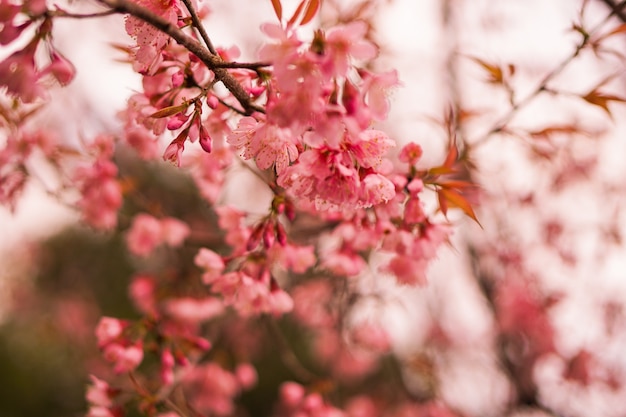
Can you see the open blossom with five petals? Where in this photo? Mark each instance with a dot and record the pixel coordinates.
(268, 144)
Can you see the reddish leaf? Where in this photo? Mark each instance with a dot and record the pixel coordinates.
(442, 170)
(278, 9)
(452, 156)
(455, 199)
(602, 100)
(443, 203)
(311, 11)
(296, 14)
(458, 184)
(495, 73)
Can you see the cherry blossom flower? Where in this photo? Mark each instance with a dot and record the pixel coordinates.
(108, 330)
(20, 76)
(211, 263)
(145, 234)
(125, 358)
(343, 42)
(151, 41)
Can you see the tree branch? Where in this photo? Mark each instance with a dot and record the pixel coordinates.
(192, 45)
(198, 24)
(617, 8)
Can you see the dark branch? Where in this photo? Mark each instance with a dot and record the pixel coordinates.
(192, 45)
(617, 8)
(198, 25)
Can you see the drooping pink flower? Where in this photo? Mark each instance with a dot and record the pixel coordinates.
(174, 151)
(60, 68)
(20, 76)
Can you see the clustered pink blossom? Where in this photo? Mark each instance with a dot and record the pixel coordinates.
(338, 208)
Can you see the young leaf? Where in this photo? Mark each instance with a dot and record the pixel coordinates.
(455, 199)
(169, 111)
(278, 9)
(495, 73)
(453, 154)
(602, 100)
(296, 14)
(311, 11)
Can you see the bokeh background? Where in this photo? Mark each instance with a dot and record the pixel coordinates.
(57, 278)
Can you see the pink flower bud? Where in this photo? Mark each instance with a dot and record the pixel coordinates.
(177, 121)
(205, 140)
(291, 394)
(61, 69)
(212, 102)
(413, 212)
(108, 330)
(281, 235)
(268, 235)
(410, 153)
(174, 151)
(255, 237)
(178, 78)
(246, 375)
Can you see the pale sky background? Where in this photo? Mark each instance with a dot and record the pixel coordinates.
(532, 34)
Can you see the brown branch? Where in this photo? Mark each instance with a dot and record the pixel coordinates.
(617, 8)
(192, 45)
(244, 65)
(198, 25)
(542, 86)
(62, 13)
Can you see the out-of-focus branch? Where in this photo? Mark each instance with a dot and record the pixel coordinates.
(192, 45)
(618, 8)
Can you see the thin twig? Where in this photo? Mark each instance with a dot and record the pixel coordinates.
(192, 45)
(63, 13)
(243, 65)
(286, 353)
(198, 25)
(541, 86)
